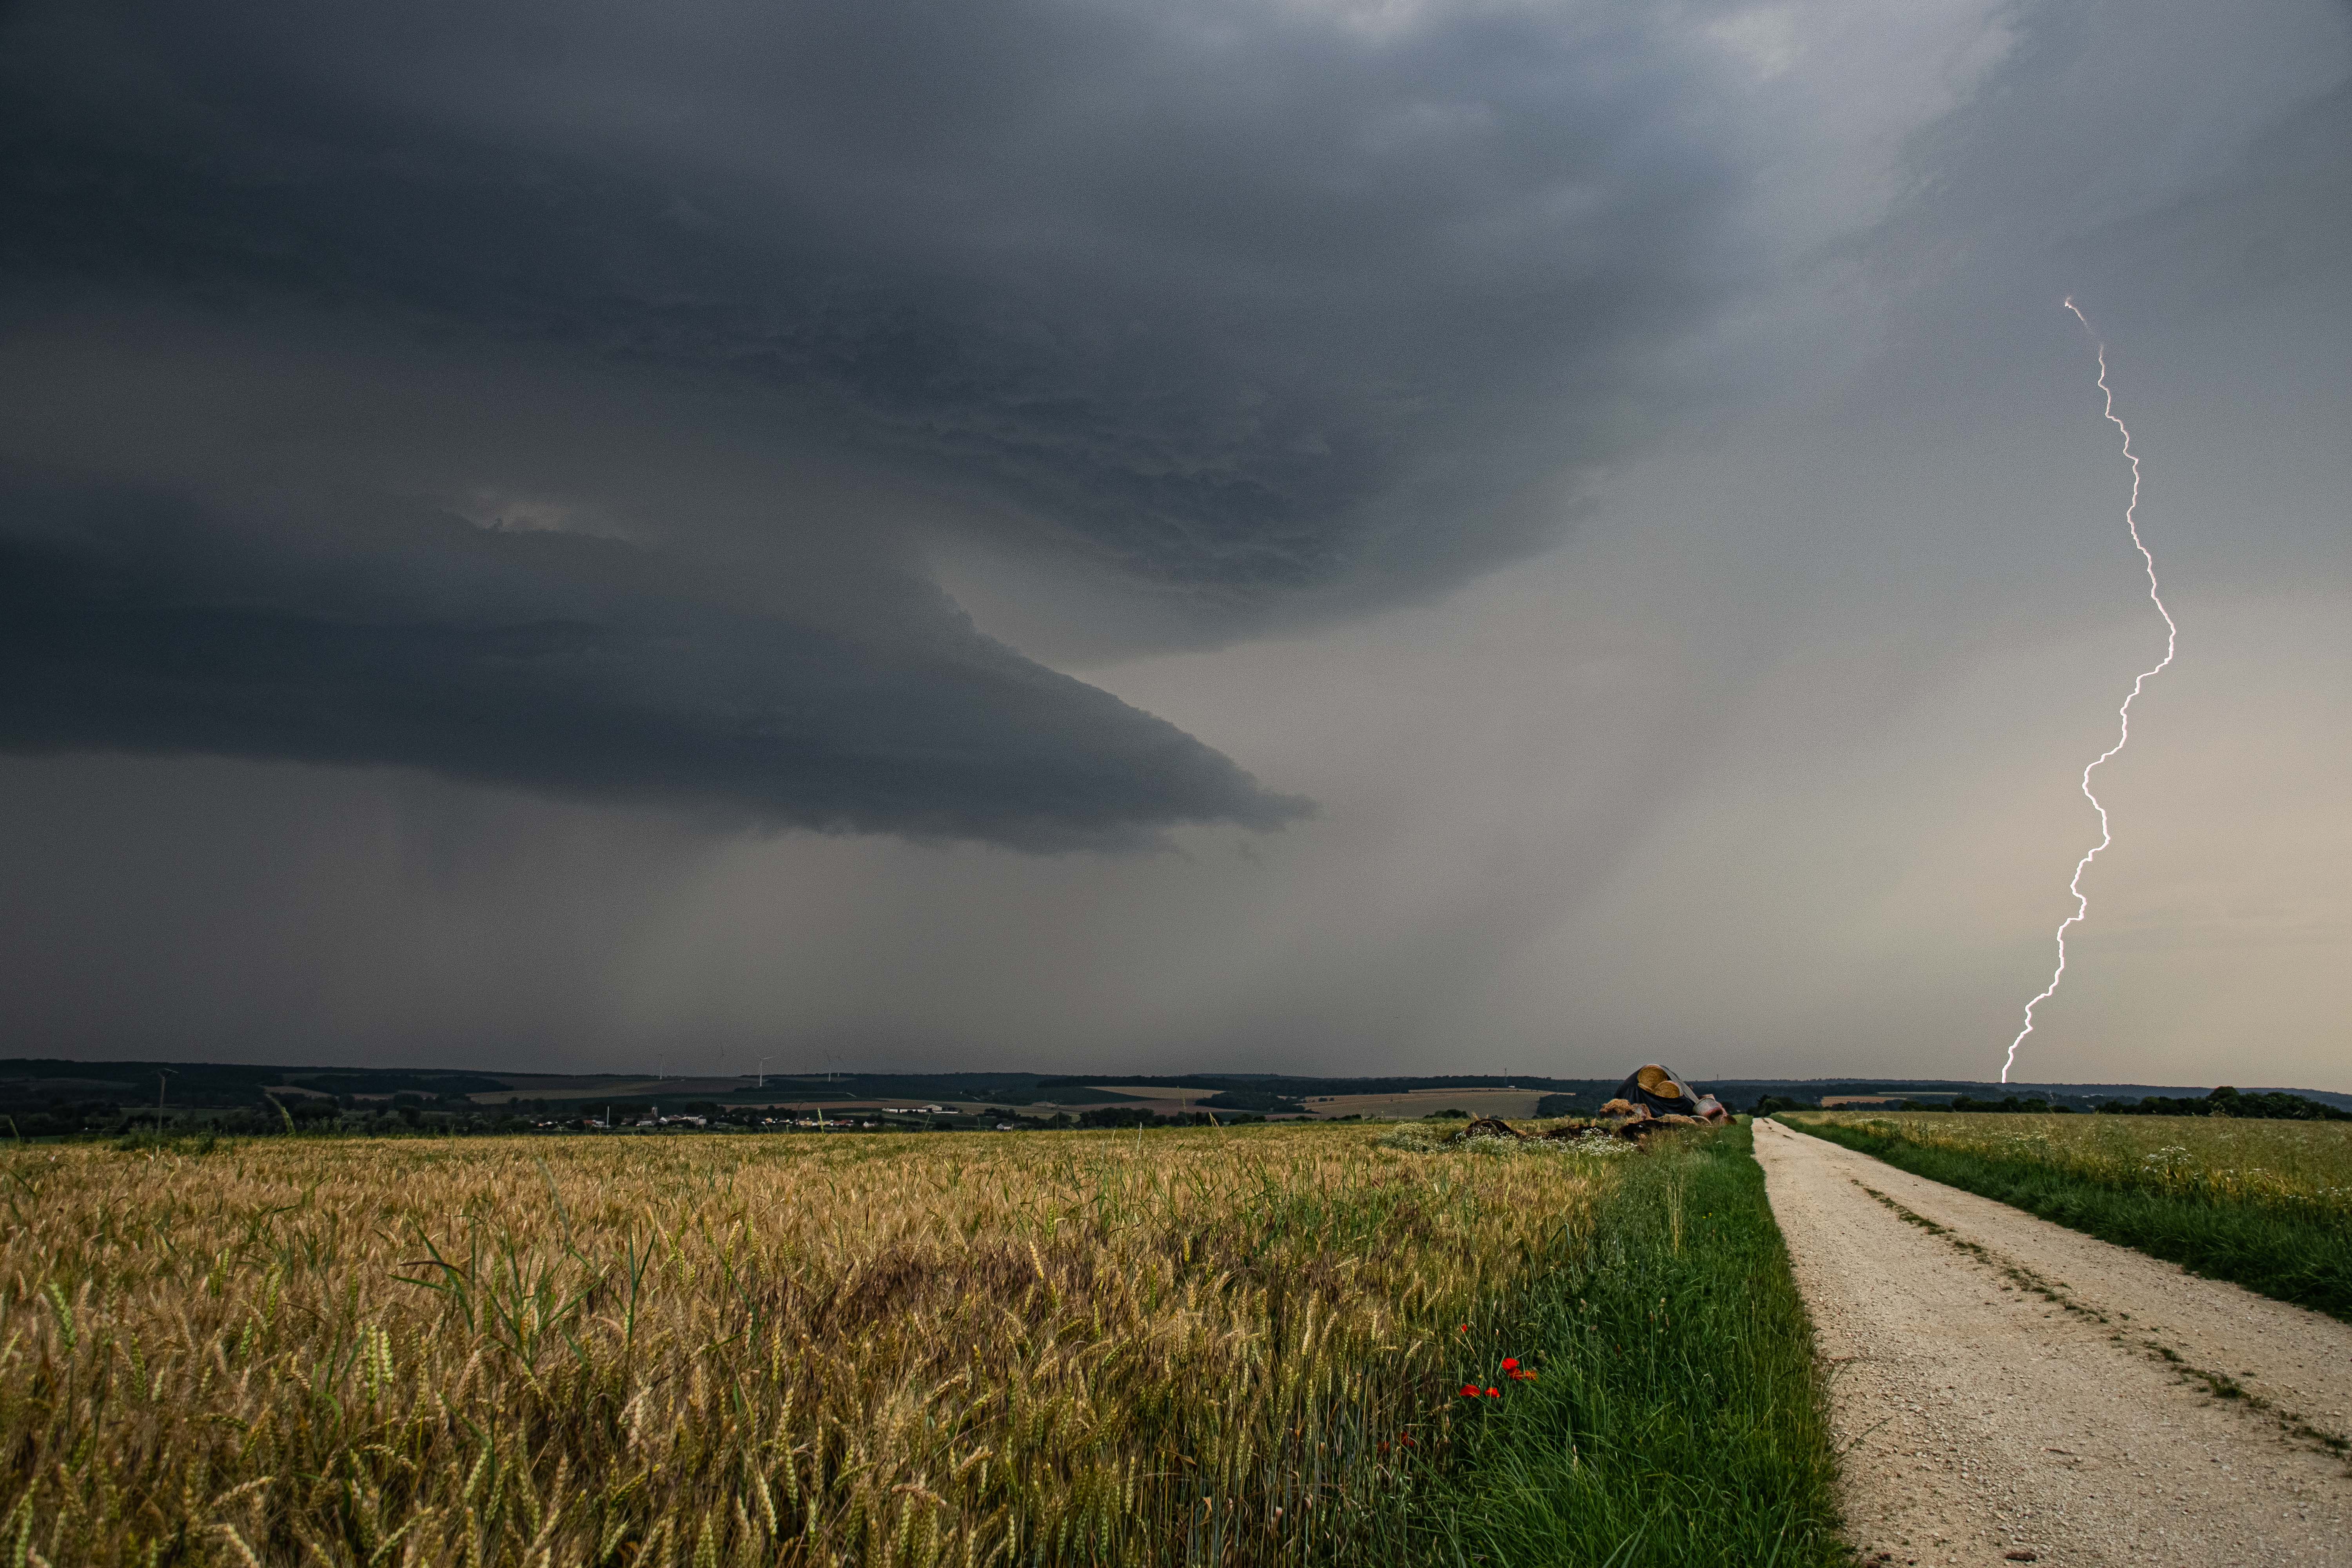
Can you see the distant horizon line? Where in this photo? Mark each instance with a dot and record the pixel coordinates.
(1499, 1079)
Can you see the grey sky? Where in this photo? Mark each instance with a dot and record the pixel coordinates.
(1394, 537)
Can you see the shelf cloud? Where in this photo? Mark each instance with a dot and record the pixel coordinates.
(561, 664)
(1255, 313)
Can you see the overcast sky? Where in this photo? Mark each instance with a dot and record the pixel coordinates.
(1207, 534)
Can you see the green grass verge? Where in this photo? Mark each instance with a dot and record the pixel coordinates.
(1676, 1417)
(2302, 1259)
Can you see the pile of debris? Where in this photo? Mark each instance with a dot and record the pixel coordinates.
(1650, 1101)
(1655, 1096)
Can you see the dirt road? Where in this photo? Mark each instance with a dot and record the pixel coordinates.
(2003, 1386)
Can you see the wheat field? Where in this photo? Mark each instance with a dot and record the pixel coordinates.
(1196, 1347)
(2304, 1166)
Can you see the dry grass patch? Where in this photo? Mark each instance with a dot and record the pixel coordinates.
(1180, 1347)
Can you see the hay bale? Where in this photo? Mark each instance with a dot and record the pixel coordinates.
(1657, 1080)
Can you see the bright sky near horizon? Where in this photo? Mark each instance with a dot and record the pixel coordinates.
(1292, 536)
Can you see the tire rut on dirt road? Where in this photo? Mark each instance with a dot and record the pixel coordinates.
(2006, 1390)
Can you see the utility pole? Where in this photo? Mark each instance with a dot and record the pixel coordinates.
(161, 1080)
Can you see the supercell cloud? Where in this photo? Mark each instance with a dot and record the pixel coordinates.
(1248, 313)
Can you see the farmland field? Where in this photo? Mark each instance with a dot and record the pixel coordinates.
(2265, 1203)
(1207, 1346)
(1515, 1103)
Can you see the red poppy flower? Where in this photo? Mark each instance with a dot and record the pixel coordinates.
(1510, 1363)
(1409, 1442)
(1494, 1393)
(1469, 1391)
(1463, 1328)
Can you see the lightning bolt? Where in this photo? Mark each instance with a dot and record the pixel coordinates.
(2171, 638)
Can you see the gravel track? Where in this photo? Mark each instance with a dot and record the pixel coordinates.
(2001, 1386)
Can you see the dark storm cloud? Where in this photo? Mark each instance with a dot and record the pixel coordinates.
(1249, 306)
(136, 624)
(1228, 294)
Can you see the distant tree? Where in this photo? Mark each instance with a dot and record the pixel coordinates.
(1121, 1116)
(2008, 1104)
(310, 1111)
(2272, 1105)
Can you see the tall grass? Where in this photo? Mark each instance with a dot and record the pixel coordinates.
(1675, 1415)
(2267, 1205)
(1204, 1347)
